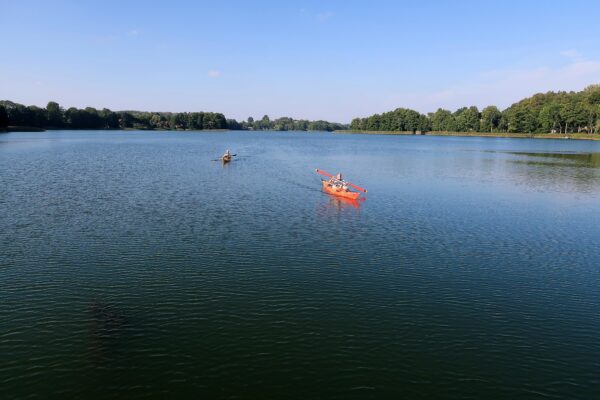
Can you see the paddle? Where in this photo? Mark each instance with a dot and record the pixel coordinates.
(323, 173)
(347, 183)
(221, 159)
(355, 187)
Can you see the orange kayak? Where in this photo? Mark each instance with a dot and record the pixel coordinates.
(339, 191)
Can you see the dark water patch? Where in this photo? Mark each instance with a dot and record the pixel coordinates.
(589, 160)
(108, 325)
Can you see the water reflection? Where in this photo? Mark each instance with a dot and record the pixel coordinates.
(341, 202)
(332, 205)
(587, 160)
(562, 172)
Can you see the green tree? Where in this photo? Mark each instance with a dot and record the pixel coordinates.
(358, 124)
(521, 120)
(592, 105)
(373, 123)
(265, 123)
(490, 119)
(549, 118)
(178, 121)
(199, 120)
(442, 120)
(233, 125)
(283, 124)
(54, 115)
(37, 117)
(301, 125)
(156, 121)
(125, 120)
(109, 118)
(467, 119)
(568, 114)
(3, 117)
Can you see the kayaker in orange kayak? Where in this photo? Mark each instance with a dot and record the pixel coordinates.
(337, 177)
(337, 186)
(337, 182)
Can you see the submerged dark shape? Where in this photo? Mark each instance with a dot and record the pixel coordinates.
(106, 318)
(107, 327)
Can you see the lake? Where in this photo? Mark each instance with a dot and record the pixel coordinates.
(134, 266)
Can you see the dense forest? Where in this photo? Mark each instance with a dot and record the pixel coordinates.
(552, 112)
(559, 112)
(55, 117)
(289, 124)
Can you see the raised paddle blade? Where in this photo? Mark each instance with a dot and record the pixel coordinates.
(356, 187)
(323, 173)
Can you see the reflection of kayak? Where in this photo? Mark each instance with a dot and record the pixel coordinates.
(226, 159)
(338, 190)
(342, 202)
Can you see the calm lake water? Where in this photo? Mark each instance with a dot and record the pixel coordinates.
(133, 266)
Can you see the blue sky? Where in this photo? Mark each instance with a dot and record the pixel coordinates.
(331, 60)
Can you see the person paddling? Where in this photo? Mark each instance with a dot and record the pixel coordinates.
(338, 182)
(226, 157)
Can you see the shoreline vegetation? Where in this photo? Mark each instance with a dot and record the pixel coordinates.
(556, 115)
(560, 113)
(18, 117)
(576, 136)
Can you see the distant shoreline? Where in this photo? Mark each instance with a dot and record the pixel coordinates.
(35, 129)
(574, 136)
(22, 129)
(577, 136)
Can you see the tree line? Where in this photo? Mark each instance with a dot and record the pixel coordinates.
(289, 124)
(552, 112)
(56, 117)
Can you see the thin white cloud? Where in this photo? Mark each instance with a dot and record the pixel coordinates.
(572, 53)
(213, 73)
(503, 87)
(324, 16)
(133, 32)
